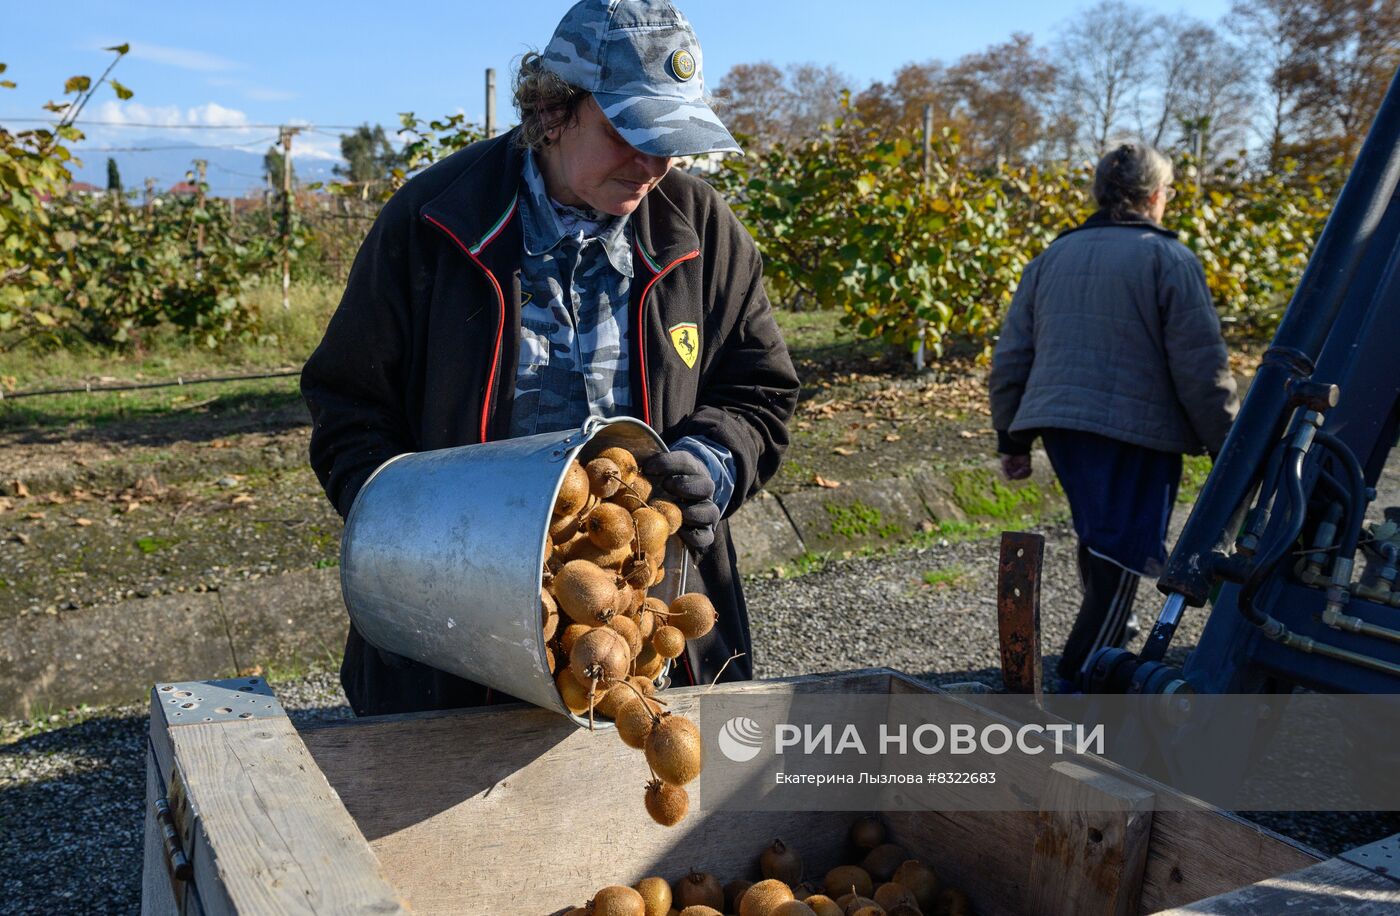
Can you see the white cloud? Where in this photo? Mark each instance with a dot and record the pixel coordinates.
(182, 58)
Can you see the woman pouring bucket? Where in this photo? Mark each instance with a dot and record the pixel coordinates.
(561, 271)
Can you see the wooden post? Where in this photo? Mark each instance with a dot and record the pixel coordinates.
(287, 134)
(150, 195)
(490, 101)
(1090, 845)
(919, 360)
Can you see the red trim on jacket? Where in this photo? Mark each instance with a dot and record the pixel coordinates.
(641, 327)
(500, 311)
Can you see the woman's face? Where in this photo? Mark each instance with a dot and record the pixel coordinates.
(588, 163)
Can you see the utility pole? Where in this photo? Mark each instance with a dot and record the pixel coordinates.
(287, 133)
(201, 166)
(490, 102)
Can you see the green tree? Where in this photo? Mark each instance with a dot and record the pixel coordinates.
(369, 158)
(272, 169)
(114, 177)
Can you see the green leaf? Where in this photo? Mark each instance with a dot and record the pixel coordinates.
(77, 84)
(120, 49)
(121, 91)
(7, 84)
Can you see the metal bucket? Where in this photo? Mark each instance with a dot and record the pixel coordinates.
(441, 556)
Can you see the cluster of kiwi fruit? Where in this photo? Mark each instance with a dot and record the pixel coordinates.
(606, 640)
(881, 881)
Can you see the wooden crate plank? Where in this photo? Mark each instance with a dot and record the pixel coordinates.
(1196, 854)
(269, 829)
(478, 787)
(1332, 887)
(1018, 610)
(1090, 845)
(982, 853)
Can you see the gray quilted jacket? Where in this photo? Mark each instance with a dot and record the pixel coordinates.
(1112, 331)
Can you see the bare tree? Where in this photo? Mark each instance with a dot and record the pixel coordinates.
(771, 106)
(1001, 95)
(900, 103)
(1213, 108)
(1106, 54)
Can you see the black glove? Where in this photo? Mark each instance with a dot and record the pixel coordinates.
(686, 479)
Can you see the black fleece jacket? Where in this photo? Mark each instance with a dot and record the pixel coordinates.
(421, 355)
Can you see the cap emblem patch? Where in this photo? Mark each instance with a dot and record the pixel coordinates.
(682, 65)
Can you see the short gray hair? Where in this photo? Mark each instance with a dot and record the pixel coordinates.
(543, 100)
(1127, 176)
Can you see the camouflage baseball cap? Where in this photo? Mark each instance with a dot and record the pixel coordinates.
(641, 61)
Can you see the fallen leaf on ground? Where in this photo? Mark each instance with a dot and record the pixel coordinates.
(892, 437)
(82, 522)
(218, 443)
(17, 488)
(843, 451)
(131, 507)
(823, 482)
(6, 504)
(35, 516)
(255, 671)
(967, 434)
(20, 536)
(242, 499)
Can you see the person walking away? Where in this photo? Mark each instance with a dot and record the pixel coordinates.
(1111, 354)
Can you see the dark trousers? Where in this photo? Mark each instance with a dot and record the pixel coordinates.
(1109, 590)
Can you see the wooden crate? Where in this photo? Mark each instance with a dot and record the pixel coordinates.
(466, 811)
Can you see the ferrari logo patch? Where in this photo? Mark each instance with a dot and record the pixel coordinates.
(686, 339)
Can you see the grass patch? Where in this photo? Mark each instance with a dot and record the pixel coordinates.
(150, 544)
(1194, 471)
(808, 562)
(952, 577)
(858, 520)
(978, 492)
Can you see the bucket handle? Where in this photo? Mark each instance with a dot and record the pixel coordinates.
(584, 433)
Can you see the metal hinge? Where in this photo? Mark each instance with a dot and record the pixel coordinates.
(172, 813)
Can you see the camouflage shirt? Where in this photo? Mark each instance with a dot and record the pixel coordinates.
(575, 277)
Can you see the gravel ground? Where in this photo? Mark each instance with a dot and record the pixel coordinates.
(72, 790)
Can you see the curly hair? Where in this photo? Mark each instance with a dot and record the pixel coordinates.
(543, 100)
(1127, 176)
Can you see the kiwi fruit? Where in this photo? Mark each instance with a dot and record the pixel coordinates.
(781, 862)
(904, 909)
(670, 511)
(562, 528)
(868, 908)
(585, 592)
(692, 614)
(628, 628)
(867, 832)
(616, 900)
(953, 902)
(633, 494)
(612, 560)
(841, 879)
(733, 893)
(604, 477)
(652, 668)
(660, 574)
(614, 699)
(921, 881)
(574, 694)
(764, 897)
(625, 461)
(890, 895)
(550, 610)
(570, 635)
(639, 571)
(645, 619)
(697, 889)
(634, 721)
(668, 642)
(673, 749)
(823, 905)
(609, 526)
(699, 911)
(652, 532)
(855, 903)
(883, 861)
(656, 894)
(600, 655)
(573, 491)
(550, 662)
(793, 908)
(666, 804)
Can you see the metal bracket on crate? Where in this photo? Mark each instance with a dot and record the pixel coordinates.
(197, 702)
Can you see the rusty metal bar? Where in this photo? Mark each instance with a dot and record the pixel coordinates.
(1018, 610)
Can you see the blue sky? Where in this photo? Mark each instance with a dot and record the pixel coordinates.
(257, 62)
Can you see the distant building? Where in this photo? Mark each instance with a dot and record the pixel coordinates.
(83, 189)
(183, 189)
